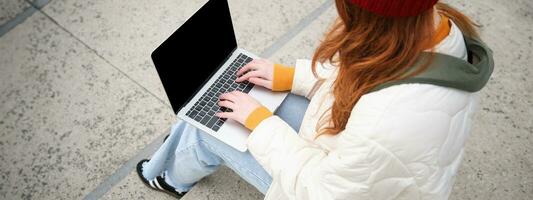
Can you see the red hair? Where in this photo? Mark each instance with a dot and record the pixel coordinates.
(370, 49)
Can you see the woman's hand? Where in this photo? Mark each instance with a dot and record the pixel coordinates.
(258, 71)
(240, 103)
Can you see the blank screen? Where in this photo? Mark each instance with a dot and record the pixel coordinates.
(195, 51)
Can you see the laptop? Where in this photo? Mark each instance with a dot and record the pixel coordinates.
(198, 63)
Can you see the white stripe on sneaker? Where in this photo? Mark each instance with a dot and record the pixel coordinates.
(152, 184)
(157, 184)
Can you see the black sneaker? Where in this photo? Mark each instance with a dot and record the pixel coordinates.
(158, 183)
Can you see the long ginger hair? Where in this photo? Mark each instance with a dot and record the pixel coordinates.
(370, 49)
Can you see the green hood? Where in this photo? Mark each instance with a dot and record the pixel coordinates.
(449, 71)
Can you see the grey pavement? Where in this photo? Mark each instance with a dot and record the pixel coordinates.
(81, 102)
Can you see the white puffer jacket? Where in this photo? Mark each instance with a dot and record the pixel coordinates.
(401, 142)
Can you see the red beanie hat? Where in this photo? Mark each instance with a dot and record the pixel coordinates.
(395, 8)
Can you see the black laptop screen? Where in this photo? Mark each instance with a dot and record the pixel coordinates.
(191, 54)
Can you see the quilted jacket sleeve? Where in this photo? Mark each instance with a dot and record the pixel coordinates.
(306, 171)
(304, 79)
(359, 168)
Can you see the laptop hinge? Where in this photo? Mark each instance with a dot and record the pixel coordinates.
(224, 61)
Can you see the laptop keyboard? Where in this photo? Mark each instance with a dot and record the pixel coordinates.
(204, 109)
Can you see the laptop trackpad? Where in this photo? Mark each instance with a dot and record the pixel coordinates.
(236, 134)
(269, 99)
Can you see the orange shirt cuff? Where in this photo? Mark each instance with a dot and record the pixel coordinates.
(256, 117)
(283, 77)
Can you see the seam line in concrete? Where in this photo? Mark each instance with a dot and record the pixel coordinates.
(105, 60)
(125, 169)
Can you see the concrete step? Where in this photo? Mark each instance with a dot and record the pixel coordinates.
(79, 96)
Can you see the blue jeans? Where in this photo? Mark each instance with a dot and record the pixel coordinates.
(190, 154)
